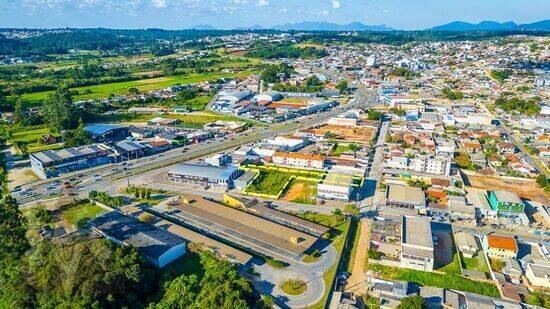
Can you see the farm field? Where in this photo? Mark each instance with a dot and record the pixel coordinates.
(524, 188)
(303, 192)
(29, 140)
(121, 88)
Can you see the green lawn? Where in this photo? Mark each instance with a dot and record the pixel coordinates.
(193, 120)
(75, 214)
(453, 267)
(294, 287)
(36, 147)
(424, 278)
(476, 263)
(269, 182)
(29, 136)
(339, 149)
(308, 192)
(121, 88)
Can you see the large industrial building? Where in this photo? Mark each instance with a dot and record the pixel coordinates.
(205, 174)
(405, 197)
(240, 227)
(157, 245)
(106, 132)
(417, 248)
(51, 163)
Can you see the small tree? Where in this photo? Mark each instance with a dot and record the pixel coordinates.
(352, 210)
(413, 302)
(136, 193)
(148, 194)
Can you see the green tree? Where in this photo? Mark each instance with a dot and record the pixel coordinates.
(343, 86)
(542, 181)
(59, 110)
(180, 293)
(412, 302)
(19, 110)
(352, 210)
(77, 137)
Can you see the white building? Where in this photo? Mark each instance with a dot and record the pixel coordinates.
(336, 186)
(538, 273)
(297, 159)
(417, 249)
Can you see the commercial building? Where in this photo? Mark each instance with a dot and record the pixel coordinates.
(127, 150)
(219, 159)
(157, 245)
(242, 182)
(501, 247)
(296, 159)
(405, 197)
(538, 273)
(506, 202)
(336, 186)
(51, 163)
(204, 174)
(417, 248)
(106, 132)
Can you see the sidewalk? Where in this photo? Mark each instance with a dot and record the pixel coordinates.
(356, 282)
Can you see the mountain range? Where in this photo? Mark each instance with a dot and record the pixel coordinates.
(326, 26)
(543, 25)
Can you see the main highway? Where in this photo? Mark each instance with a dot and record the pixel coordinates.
(102, 176)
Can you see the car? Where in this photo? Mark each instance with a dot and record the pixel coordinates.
(16, 188)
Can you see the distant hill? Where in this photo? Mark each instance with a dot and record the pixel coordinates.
(492, 26)
(203, 27)
(325, 26)
(543, 25)
(255, 27)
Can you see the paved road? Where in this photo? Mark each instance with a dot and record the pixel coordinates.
(101, 177)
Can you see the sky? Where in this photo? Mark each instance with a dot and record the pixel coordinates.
(228, 14)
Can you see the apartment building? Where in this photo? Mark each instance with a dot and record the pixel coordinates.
(296, 159)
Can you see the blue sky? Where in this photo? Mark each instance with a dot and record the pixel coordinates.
(177, 14)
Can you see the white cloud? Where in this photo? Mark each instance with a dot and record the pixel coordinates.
(324, 13)
(263, 2)
(159, 3)
(336, 4)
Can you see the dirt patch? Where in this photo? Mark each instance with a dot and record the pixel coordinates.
(524, 188)
(20, 176)
(348, 133)
(301, 192)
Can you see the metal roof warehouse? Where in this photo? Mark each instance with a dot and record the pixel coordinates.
(244, 229)
(157, 245)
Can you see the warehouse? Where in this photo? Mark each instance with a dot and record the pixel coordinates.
(239, 227)
(205, 175)
(405, 197)
(106, 132)
(51, 163)
(157, 245)
(417, 248)
(336, 186)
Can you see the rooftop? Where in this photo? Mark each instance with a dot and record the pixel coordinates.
(338, 179)
(502, 242)
(507, 197)
(210, 172)
(148, 239)
(417, 231)
(101, 128)
(406, 195)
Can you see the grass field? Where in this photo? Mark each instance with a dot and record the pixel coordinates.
(340, 149)
(436, 280)
(80, 212)
(269, 182)
(453, 267)
(476, 263)
(31, 139)
(121, 88)
(303, 192)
